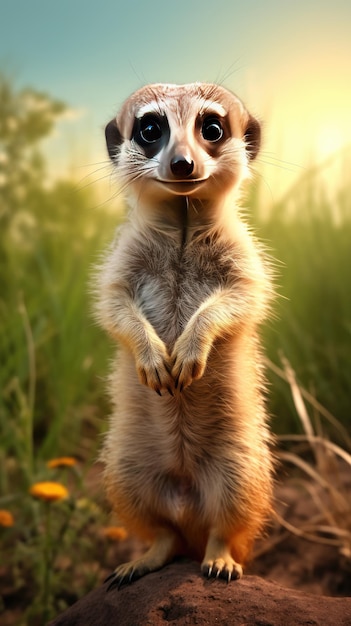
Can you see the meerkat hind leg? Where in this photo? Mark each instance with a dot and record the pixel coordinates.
(218, 561)
(161, 551)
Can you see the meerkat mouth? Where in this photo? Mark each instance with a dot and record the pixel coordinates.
(182, 186)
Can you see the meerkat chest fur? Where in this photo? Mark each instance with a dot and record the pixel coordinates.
(169, 279)
(183, 290)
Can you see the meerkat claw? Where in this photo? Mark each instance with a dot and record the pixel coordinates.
(113, 581)
(116, 580)
(109, 577)
(207, 570)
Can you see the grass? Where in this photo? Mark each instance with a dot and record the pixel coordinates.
(51, 349)
(320, 467)
(310, 236)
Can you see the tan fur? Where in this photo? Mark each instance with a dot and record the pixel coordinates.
(183, 290)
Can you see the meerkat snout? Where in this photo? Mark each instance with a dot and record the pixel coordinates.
(182, 166)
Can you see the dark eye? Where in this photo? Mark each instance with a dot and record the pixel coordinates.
(150, 129)
(212, 129)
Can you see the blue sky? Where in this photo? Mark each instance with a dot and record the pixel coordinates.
(290, 62)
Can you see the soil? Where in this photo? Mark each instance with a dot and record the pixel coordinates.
(288, 561)
(295, 562)
(178, 594)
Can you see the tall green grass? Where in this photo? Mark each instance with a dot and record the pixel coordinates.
(309, 233)
(52, 356)
(50, 351)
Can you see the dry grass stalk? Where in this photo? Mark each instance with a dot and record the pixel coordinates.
(332, 525)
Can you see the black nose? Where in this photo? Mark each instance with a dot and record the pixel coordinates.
(182, 167)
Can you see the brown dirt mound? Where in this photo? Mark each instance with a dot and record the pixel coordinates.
(179, 594)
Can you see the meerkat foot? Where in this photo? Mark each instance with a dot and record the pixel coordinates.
(161, 552)
(222, 568)
(218, 561)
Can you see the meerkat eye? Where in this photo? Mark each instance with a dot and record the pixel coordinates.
(150, 129)
(212, 129)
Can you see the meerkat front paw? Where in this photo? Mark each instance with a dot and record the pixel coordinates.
(154, 367)
(189, 361)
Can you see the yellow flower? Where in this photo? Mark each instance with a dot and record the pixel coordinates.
(6, 518)
(62, 461)
(48, 491)
(115, 533)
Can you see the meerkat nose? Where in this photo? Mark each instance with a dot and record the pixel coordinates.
(181, 166)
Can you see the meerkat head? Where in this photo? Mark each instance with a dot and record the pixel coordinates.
(192, 140)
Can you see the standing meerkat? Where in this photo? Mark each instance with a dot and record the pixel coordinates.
(183, 290)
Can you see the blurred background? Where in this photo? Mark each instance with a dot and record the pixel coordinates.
(65, 69)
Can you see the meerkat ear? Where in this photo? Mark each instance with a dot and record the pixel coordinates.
(252, 137)
(113, 138)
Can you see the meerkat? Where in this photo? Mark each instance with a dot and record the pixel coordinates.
(183, 290)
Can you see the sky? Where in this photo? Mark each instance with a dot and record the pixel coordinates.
(290, 62)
